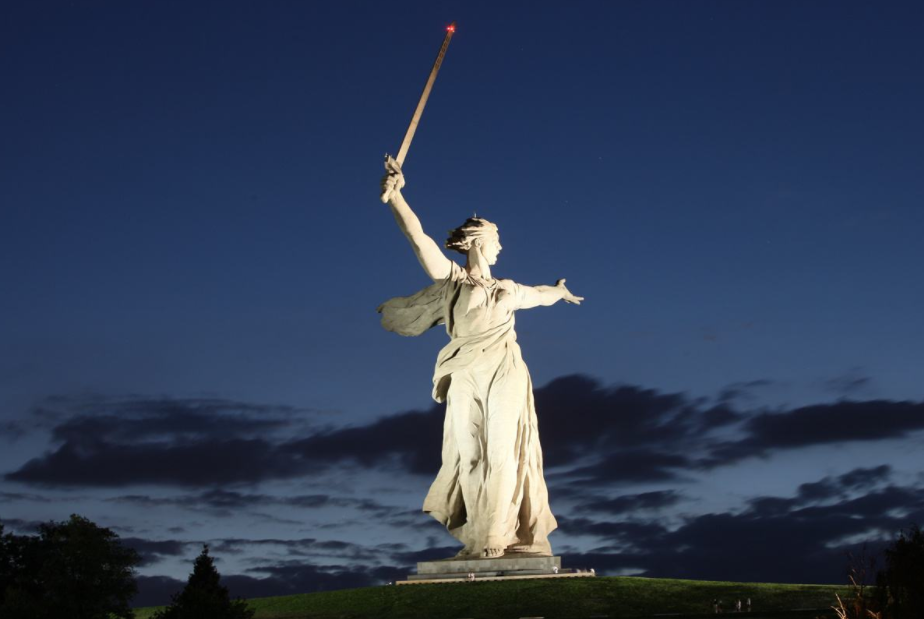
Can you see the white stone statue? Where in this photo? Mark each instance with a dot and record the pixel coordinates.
(490, 492)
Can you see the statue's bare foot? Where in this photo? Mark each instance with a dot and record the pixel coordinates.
(493, 553)
(465, 553)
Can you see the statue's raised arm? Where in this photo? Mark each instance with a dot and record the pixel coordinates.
(431, 257)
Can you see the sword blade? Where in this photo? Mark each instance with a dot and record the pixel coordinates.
(415, 119)
(412, 128)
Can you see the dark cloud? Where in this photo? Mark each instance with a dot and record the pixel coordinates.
(412, 438)
(857, 479)
(743, 390)
(304, 547)
(774, 540)
(630, 466)
(227, 502)
(610, 418)
(152, 551)
(169, 441)
(156, 590)
(803, 538)
(286, 578)
(626, 434)
(849, 384)
(20, 526)
(296, 577)
(20, 496)
(629, 534)
(201, 463)
(631, 503)
(141, 420)
(821, 424)
(198, 445)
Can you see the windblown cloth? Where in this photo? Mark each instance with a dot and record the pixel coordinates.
(490, 490)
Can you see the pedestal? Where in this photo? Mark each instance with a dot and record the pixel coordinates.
(511, 566)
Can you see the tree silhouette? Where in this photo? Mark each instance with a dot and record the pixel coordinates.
(901, 583)
(204, 597)
(72, 569)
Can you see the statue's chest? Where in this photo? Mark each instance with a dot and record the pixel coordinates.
(477, 298)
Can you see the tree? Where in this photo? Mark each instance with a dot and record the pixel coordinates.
(204, 597)
(72, 569)
(901, 583)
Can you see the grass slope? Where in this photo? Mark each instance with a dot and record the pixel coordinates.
(554, 599)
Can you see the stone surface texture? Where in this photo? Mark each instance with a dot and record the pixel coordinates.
(507, 563)
(490, 492)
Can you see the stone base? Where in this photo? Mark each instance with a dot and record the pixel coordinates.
(510, 566)
(506, 563)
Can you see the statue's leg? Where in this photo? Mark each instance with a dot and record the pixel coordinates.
(506, 403)
(467, 412)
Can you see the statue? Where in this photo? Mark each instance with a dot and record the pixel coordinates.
(490, 492)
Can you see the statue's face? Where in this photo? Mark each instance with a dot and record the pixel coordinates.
(490, 248)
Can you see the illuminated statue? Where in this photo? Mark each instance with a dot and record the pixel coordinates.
(490, 492)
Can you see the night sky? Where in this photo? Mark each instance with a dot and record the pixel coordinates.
(192, 250)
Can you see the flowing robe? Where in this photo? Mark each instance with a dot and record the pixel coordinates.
(490, 490)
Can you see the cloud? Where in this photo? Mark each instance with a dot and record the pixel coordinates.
(282, 578)
(849, 384)
(743, 390)
(775, 539)
(152, 419)
(633, 503)
(624, 434)
(857, 479)
(802, 538)
(152, 551)
(629, 467)
(20, 526)
(201, 463)
(412, 438)
(21, 496)
(227, 502)
(821, 424)
(303, 547)
(155, 590)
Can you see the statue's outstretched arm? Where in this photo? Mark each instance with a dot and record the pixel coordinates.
(533, 296)
(431, 257)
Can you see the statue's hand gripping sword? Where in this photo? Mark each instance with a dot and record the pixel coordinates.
(393, 164)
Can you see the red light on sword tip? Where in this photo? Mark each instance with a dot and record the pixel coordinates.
(451, 28)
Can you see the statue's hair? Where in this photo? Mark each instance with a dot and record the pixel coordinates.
(462, 237)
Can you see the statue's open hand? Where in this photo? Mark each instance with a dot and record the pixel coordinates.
(566, 295)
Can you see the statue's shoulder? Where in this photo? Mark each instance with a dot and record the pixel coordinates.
(456, 272)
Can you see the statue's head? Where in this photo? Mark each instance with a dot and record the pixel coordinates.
(476, 233)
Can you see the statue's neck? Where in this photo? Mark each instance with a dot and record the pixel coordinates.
(477, 266)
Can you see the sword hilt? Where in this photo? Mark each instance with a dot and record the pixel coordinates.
(392, 167)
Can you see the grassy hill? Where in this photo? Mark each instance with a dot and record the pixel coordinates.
(578, 598)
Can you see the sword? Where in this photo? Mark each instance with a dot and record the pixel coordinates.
(393, 164)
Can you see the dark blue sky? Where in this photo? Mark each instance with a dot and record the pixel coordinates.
(190, 234)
